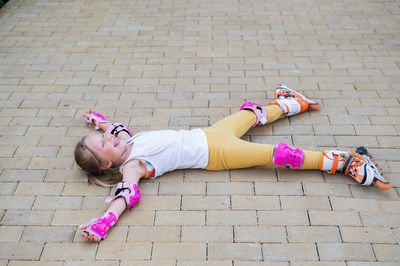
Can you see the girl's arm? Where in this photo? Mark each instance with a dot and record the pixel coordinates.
(133, 171)
(106, 124)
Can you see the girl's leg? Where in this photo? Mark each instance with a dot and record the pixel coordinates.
(239, 123)
(289, 102)
(229, 152)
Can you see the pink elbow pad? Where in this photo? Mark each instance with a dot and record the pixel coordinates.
(129, 192)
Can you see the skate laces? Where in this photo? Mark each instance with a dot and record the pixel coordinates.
(287, 94)
(354, 167)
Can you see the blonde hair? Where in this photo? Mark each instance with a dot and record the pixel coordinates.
(89, 161)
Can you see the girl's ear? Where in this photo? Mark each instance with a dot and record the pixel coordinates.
(106, 165)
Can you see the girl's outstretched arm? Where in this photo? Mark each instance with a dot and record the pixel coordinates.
(105, 124)
(132, 173)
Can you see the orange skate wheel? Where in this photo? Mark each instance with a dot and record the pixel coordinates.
(314, 106)
(381, 185)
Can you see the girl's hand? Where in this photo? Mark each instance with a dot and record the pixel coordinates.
(94, 118)
(88, 236)
(87, 114)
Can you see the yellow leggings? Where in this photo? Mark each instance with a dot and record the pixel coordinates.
(228, 151)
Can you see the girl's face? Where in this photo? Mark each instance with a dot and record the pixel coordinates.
(108, 147)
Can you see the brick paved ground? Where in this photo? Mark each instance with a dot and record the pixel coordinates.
(186, 63)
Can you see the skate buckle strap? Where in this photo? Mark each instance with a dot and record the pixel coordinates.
(96, 119)
(129, 191)
(99, 227)
(117, 128)
(335, 163)
(286, 155)
(259, 110)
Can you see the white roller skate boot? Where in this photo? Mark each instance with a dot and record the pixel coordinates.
(359, 165)
(291, 101)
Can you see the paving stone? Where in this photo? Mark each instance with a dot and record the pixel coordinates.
(186, 251)
(16, 202)
(202, 176)
(277, 218)
(71, 251)
(206, 203)
(228, 188)
(231, 218)
(278, 188)
(73, 218)
(313, 234)
(137, 218)
(192, 188)
(27, 217)
(154, 234)
(300, 176)
(153, 262)
(370, 218)
(321, 189)
(11, 233)
(35, 263)
(254, 174)
(390, 206)
(159, 203)
(207, 234)
(79, 189)
(273, 234)
(305, 203)
(236, 251)
(92, 263)
(48, 234)
(349, 218)
(204, 263)
(255, 203)
(180, 218)
(23, 175)
(290, 251)
(344, 204)
(366, 234)
(371, 263)
(259, 263)
(121, 250)
(39, 188)
(372, 193)
(21, 251)
(346, 251)
(318, 263)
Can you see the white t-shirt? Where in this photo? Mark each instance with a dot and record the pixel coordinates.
(168, 150)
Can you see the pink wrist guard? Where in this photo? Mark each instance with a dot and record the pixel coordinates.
(99, 227)
(129, 192)
(96, 119)
(286, 155)
(117, 128)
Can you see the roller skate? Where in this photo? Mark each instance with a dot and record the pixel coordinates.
(291, 101)
(359, 165)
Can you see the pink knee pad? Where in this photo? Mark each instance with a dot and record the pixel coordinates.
(286, 155)
(259, 110)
